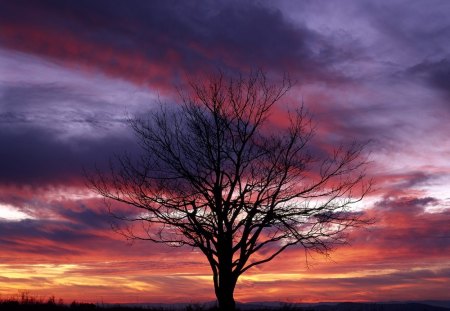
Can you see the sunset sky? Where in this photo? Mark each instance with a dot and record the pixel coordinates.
(72, 71)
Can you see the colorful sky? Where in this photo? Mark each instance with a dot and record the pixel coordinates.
(72, 71)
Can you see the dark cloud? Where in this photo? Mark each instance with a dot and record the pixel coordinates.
(73, 232)
(54, 106)
(155, 41)
(347, 124)
(23, 95)
(33, 155)
(405, 228)
(400, 185)
(84, 218)
(413, 26)
(38, 238)
(29, 229)
(413, 179)
(434, 73)
(68, 233)
(50, 132)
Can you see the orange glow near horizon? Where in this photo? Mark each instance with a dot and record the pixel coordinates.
(82, 282)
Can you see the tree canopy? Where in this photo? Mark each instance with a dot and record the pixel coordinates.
(219, 174)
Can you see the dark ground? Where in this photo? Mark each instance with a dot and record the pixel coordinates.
(52, 305)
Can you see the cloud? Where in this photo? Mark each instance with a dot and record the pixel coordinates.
(34, 155)
(156, 43)
(435, 73)
(394, 285)
(420, 31)
(405, 229)
(31, 103)
(70, 224)
(58, 239)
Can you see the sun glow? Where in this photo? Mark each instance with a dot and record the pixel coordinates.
(12, 213)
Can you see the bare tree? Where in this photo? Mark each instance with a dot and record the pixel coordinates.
(218, 175)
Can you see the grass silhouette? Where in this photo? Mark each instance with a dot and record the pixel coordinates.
(25, 302)
(35, 304)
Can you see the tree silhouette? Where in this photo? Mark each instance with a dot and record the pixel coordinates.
(218, 175)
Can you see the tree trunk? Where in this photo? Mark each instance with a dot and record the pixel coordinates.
(226, 281)
(225, 291)
(226, 300)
